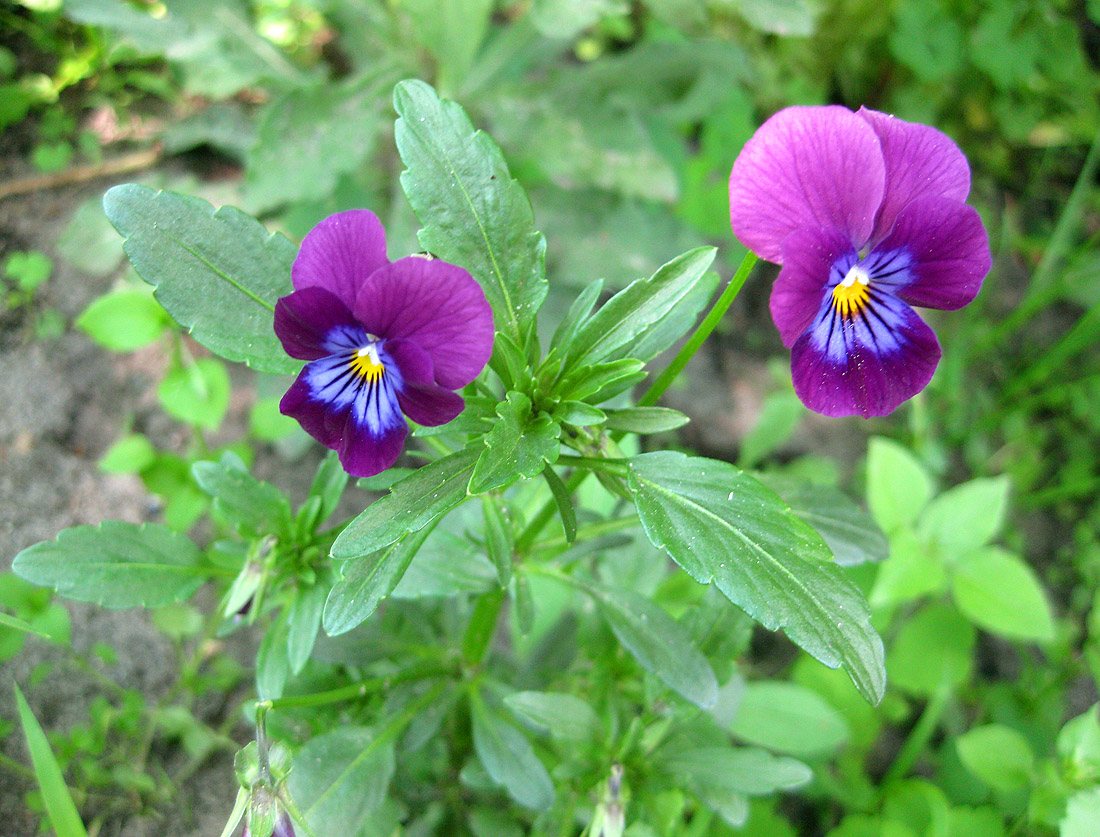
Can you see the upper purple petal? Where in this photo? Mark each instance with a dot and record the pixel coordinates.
(438, 306)
(814, 259)
(867, 365)
(806, 167)
(949, 252)
(340, 253)
(920, 162)
(313, 322)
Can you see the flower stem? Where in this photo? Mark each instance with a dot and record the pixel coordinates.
(919, 737)
(710, 322)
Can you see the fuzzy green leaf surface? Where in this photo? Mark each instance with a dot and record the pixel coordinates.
(473, 213)
(721, 525)
(116, 565)
(218, 272)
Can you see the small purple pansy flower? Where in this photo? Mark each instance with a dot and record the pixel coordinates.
(865, 214)
(384, 340)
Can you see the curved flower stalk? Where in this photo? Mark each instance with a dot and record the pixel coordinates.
(383, 340)
(865, 214)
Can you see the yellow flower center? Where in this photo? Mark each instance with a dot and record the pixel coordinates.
(852, 293)
(366, 364)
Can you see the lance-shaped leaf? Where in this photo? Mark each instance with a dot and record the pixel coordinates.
(640, 306)
(116, 565)
(256, 506)
(520, 444)
(722, 525)
(218, 273)
(474, 214)
(423, 496)
(509, 759)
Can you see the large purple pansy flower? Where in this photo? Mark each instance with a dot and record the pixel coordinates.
(865, 214)
(383, 340)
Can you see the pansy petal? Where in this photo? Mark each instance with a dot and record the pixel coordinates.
(843, 368)
(299, 403)
(364, 451)
(949, 252)
(313, 323)
(414, 364)
(813, 258)
(806, 167)
(438, 306)
(920, 162)
(430, 405)
(340, 253)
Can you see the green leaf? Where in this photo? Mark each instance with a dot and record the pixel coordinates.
(257, 507)
(366, 580)
(967, 516)
(1079, 746)
(124, 320)
(88, 242)
(578, 414)
(1082, 814)
(217, 273)
(578, 313)
(267, 423)
(425, 495)
(658, 642)
(47, 772)
(600, 381)
(911, 572)
(628, 315)
(744, 770)
(474, 214)
(452, 31)
(999, 592)
(196, 393)
(721, 525)
(507, 757)
(850, 533)
(28, 270)
(520, 445)
(643, 420)
(789, 718)
(564, 502)
(307, 139)
(780, 415)
(499, 538)
(898, 486)
(329, 483)
(14, 622)
(931, 650)
(998, 755)
(670, 328)
(563, 716)
(303, 622)
(340, 778)
(130, 454)
(272, 665)
(116, 565)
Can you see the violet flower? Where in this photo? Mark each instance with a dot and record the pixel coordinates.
(865, 214)
(383, 340)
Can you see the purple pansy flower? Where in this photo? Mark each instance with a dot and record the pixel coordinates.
(384, 340)
(865, 214)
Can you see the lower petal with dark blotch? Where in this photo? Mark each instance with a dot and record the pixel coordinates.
(866, 365)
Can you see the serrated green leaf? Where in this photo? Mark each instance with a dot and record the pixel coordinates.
(366, 580)
(789, 718)
(520, 445)
(427, 494)
(563, 716)
(340, 778)
(116, 565)
(721, 525)
(643, 420)
(473, 213)
(850, 533)
(217, 273)
(999, 592)
(967, 516)
(507, 757)
(744, 770)
(47, 772)
(659, 643)
(998, 755)
(124, 320)
(634, 310)
(259, 508)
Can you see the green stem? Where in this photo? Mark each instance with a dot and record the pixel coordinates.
(608, 464)
(585, 533)
(701, 333)
(919, 737)
(358, 690)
